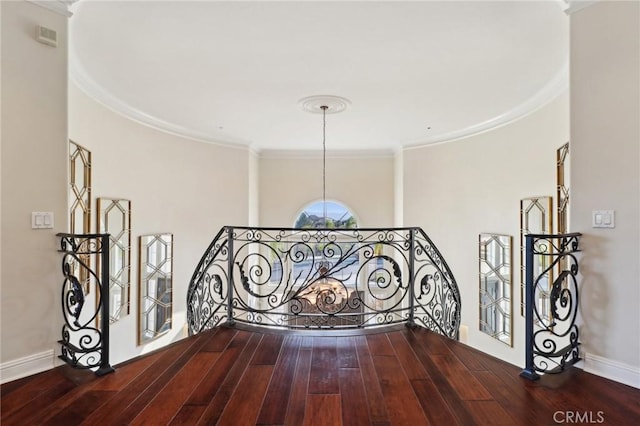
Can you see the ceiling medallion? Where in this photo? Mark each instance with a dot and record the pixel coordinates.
(315, 103)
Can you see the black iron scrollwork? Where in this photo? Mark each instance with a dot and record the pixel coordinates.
(84, 343)
(551, 338)
(323, 278)
(76, 293)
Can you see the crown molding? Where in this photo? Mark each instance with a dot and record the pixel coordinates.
(89, 87)
(61, 7)
(314, 154)
(554, 88)
(572, 6)
(93, 90)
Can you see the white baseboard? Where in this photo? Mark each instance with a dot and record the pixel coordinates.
(612, 370)
(26, 366)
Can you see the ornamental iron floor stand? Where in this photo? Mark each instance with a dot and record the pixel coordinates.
(323, 279)
(85, 333)
(551, 332)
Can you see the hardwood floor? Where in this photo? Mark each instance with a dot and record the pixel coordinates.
(233, 376)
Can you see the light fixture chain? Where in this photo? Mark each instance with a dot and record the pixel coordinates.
(324, 164)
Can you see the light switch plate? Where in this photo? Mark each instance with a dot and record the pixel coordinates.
(41, 220)
(603, 219)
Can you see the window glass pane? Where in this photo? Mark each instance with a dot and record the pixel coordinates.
(326, 215)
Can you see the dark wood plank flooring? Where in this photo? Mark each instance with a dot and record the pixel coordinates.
(244, 376)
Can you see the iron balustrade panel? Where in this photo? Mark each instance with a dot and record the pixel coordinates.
(551, 331)
(85, 332)
(438, 301)
(322, 279)
(208, 288)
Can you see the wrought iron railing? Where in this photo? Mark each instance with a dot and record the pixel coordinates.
(551, 291)
(323, 279)
(85, 333)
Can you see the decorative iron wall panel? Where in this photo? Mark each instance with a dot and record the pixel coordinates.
(85, 339)
(552, 338)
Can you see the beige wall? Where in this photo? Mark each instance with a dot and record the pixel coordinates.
(254, 189)
(289, 183)
(398, 179)
(185, 187)
(605, 175)
(34, 178)
(457, 190)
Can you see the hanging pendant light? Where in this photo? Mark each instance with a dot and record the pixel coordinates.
(327, 293)
(324, 104)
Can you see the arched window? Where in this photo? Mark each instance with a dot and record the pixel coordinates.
(337, 216)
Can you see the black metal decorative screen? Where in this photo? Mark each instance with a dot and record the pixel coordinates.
(323, 278)
(551, 340)
(83, 344)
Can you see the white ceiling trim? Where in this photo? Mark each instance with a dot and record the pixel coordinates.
(575, 5)
(558, 85)
(79, 77)
(554, 88)
(61, 7)
(100, 94)
(317, 154)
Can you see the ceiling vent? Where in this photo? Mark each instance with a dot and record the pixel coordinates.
(47, 36)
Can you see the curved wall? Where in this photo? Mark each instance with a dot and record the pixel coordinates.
(454, 191)
(192, 188)
(175, 185)
(457, 190)
(363, 184)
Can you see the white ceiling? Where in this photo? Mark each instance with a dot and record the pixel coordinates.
(232, 72)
